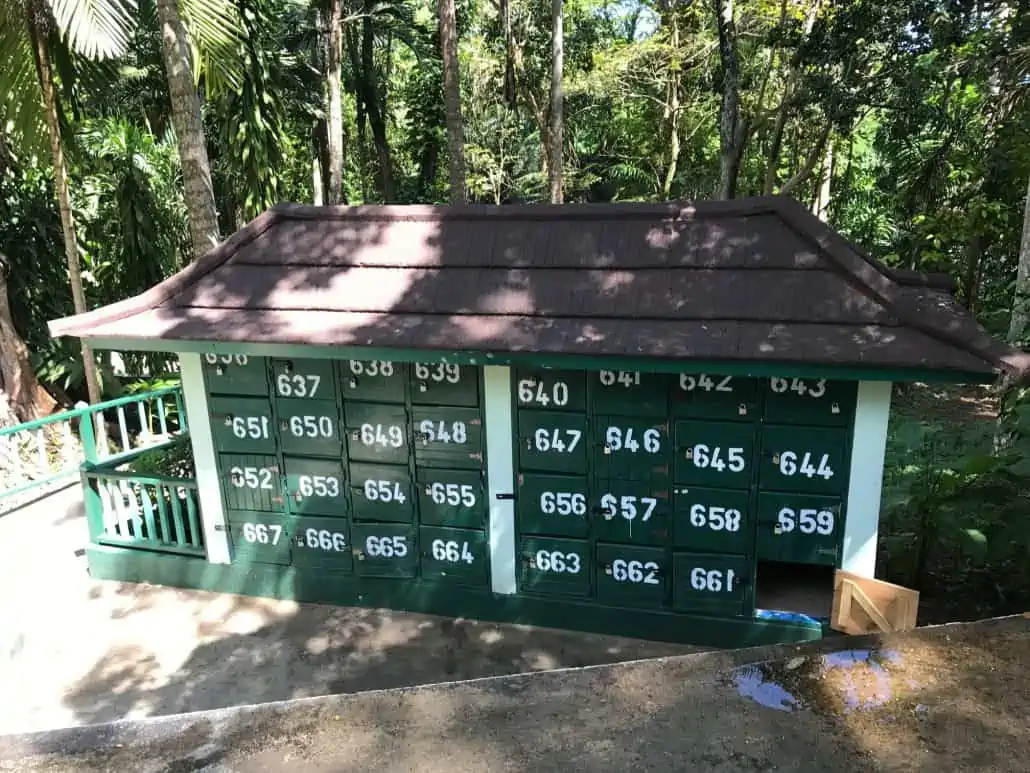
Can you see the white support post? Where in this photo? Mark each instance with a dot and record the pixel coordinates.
(500, 476)
(212, 514)
(865, 485)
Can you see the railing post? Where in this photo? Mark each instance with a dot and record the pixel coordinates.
(180, 410)
(93, 506)
(102, 448)
(89, 439)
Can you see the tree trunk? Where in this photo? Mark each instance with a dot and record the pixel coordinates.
(360, 119)
(452, 99)
(672, 100)
(24, 394)
(368, 93)
(772, 159)
(730, 136)
(556, 132)
(510, 88)
(1021, 298)
(793, 74)
(821, 203)
(971, 271)
(64, 207)
(540, 118)
(317, 191)
(333, 79)
(809, 166)
(189, 129)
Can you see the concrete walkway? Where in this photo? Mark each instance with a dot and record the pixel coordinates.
(74, 651)
(953, 699)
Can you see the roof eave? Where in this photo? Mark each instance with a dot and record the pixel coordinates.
(758, 368)
(80, 325)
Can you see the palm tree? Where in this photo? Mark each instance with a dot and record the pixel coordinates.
(212, 27)
(189, 129)
(30, 31)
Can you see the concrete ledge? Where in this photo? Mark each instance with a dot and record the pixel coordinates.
(692, 709)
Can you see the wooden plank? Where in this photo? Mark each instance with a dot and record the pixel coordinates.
(869, 608)
(864, 605)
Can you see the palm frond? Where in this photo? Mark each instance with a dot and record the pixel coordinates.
(21, 99)
(98, 29)
(215, 35)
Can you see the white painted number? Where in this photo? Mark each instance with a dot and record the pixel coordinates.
(706, 457)
(371, 368)
(715, 518)
(378, 435)
(319, 486)
(451, 552)
(622, 439)
(452, 494)
(643, 572)
(251, 477)
(297, 385)
(627, 507)
(688, 383)
(225, 359)
(624, 378)
(384, 491)
(250, 426)
(536, 393)
(557, 440)
(439, 432)
(563, 503)
(323, 539)
(807, 521)
(386, 547)
(262, 534)
(311, 426)
(712, 580)
(798, 386)
(438, 372)
(789, 465)
(557, 562)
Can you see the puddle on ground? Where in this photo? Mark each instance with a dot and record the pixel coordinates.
(837, 682)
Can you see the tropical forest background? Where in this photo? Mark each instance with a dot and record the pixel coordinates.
(136, 133)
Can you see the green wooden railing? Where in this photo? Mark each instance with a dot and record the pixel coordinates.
(126, 509)
(37, 454)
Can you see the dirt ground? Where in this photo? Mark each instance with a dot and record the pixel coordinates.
(75, 651)
(951, 699)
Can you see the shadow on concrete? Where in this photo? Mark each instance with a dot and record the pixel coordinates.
(321, 650)
(955, 702)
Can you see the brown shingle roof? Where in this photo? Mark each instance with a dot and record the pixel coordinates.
(756, 279)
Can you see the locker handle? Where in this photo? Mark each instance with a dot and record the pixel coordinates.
(504, 496)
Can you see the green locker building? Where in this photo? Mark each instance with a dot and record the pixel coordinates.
(656, 420)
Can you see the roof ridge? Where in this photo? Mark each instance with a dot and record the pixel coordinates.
(679, 209)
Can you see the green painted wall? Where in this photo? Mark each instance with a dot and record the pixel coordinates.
(640, 498)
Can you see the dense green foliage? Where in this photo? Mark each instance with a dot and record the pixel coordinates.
(954, 521)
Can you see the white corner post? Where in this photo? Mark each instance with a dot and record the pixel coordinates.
(865, 485)
(212, 514)
(500, 476)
